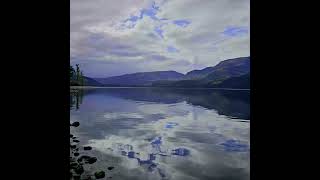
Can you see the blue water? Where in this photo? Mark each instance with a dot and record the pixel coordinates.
(154, 133)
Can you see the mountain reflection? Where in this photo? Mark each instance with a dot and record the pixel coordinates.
(231, 103)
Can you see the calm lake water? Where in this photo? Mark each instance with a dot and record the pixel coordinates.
(154, 133)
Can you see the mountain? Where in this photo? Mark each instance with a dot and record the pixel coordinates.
(198, 74)
(231, 73)
(140, 79)
(91, 82)
(212, 76)
(226, 68)
(240, 82)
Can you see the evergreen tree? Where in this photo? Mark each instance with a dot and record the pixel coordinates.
(81, 79)
(76, 76)
(78, 73)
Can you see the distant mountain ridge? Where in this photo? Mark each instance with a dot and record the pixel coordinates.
(233, 67)
(223, 74)
(211, 76)
(91, 82)
(141, 78)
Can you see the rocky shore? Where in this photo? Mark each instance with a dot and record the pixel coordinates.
(77, 160)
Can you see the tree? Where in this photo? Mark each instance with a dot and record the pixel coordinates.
(81, 79)
(76, 76)
(72, 73)
(78, 73)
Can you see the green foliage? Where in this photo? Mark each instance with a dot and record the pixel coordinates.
(76, 76)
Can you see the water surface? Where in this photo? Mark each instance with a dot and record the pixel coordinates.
(155, 133)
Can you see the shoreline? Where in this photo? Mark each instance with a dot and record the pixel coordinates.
(132, 87)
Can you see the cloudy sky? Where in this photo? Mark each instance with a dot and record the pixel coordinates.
(109, 37)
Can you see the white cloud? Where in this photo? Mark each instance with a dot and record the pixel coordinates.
(200, 43)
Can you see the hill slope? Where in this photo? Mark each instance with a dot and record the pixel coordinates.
(231, 73)
(91, 82)
(240, 82)
(140, 79)
(212, 76)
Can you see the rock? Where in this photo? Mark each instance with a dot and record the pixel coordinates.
(87, 148)
(110, 168)
(87, 159)
(75, 124)
(74, 137)
(99, 174)
(71, 135)
(73, 165)
(73, 146)
(92, 160)
(84, 157)
(79, 169)
(76, 141)
(76, 154)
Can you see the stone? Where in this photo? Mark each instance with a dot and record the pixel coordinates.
(92, 160)
(110, 168)
(87, 159)
(99, 174)
(79, 169)
(75, 124)
(87, 147)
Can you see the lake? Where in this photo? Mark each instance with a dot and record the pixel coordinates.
(157, 133)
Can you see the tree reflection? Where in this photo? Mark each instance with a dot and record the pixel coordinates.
(76, 97)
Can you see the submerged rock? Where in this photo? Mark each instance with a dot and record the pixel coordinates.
(110, 168)
(73, 146)
(76, 154)
(87, 148)
(71, 135)
(99, 174)
(76, 141)
(75, 124)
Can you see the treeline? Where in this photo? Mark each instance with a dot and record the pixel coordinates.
(76, 76)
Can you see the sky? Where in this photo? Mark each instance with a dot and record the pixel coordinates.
(110, 38)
